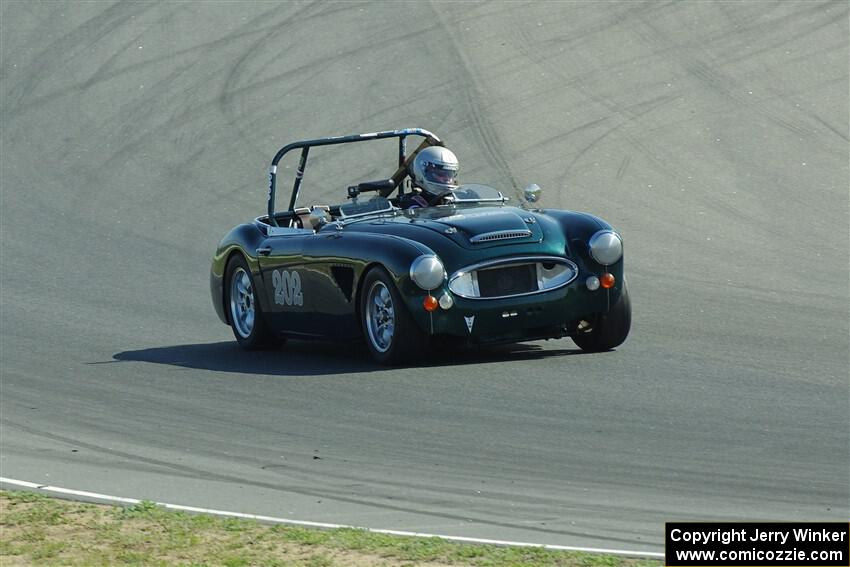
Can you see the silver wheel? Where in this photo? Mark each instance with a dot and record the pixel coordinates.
(380, 316)
(242, 305)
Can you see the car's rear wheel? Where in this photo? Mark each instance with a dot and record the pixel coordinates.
(610, 329)
(245, 314)
(391, 333)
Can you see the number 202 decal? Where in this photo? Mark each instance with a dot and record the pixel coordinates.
(287, 288)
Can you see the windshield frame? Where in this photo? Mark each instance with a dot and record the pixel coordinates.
(388, 209)
(498, 198)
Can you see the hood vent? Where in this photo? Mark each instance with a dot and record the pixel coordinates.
(500, 235)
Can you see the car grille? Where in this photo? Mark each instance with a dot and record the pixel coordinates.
(510, 280)
(510, 277)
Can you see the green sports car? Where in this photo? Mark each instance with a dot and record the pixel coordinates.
(398, 266)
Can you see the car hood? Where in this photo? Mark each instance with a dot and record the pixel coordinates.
(452, 231)
(479, 227)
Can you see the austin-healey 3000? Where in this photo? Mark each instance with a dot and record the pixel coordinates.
(471, 267)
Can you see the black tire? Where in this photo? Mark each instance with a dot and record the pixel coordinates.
(391, 334)
(610, 329)
(243, 310)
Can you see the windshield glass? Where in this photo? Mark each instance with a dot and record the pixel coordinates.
(474, 192)
(360, 207)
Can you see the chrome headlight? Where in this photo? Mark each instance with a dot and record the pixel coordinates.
(606, 247)
(428, 272)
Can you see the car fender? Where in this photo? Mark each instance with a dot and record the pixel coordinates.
(578, 228)
(243, 239)
(401, 254)
(365, 250)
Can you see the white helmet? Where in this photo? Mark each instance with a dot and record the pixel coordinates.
(435, 171)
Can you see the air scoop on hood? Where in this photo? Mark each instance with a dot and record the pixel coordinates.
(481, 226)
(500, 235)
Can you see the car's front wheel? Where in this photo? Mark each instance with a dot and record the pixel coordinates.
(245, 314)
(391, 333)
(610, 329)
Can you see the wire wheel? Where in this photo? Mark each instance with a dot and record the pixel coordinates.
(380, 316)
(242, 303)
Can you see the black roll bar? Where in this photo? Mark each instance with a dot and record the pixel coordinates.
(305, 145)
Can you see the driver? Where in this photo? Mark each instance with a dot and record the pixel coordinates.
(433, 175)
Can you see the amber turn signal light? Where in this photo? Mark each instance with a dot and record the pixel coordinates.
(430, 303)
(607, 281)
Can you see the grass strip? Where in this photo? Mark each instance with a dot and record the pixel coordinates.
(40, 530)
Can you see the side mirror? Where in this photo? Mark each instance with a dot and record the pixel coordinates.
(532, 193)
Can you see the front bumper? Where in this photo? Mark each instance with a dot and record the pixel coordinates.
(551, 314)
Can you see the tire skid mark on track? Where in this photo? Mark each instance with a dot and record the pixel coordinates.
(617, 15)
(621, 171)
(58, 51)
(829, 126)
(106, 75)
(344, 481)
(340, 495)
(328, 59)
(733, 44)
(139, 113)
(311, 68)
(791, 20)
(709, 73)
(626, 115)
(412, 101)
(305, 72)
(664, 159)
(227, 97)
(488, 136)
(101, 74)
(789, 95)
(711, 76)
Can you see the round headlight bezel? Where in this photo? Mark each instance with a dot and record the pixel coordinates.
(428, 272)
(606, 247)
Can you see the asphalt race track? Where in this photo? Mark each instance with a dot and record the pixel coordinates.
(713, 134)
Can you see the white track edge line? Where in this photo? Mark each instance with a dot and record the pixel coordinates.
(274, 520)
